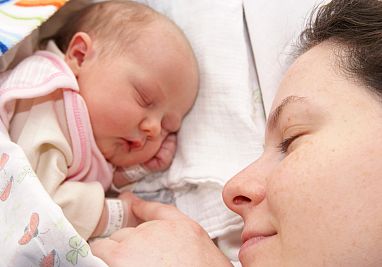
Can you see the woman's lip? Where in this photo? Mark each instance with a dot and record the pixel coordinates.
(253, 240)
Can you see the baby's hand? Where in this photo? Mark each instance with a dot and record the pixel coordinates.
(163, 158)
(159, 162)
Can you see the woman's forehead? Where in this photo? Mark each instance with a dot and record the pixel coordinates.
(311, 74)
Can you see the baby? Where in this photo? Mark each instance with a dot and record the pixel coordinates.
(109, 92)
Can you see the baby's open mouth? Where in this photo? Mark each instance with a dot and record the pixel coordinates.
(133, 144)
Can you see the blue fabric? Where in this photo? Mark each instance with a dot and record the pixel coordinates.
(3, 48)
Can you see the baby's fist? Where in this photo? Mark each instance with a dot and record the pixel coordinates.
(163, 158)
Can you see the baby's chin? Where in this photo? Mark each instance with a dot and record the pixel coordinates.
(126, 160)
(122, 162)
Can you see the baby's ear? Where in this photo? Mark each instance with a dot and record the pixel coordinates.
(78, 50)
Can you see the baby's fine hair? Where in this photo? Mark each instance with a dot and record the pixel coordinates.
(116, 23)
(356, 27)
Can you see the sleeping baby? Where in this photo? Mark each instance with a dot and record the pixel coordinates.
(109, 92)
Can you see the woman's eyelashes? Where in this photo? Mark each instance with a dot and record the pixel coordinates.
(285, 144)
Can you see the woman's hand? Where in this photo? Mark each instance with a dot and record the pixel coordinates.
(166, 238)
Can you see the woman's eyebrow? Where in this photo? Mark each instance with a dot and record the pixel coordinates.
(274, 118)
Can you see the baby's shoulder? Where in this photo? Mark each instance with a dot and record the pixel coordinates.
(40, 70)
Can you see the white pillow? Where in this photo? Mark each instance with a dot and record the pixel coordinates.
(274, 27)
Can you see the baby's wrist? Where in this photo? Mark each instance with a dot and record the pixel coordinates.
(129, 218)
(115, 216)
(101, 223)
(135, 173)
(124, 178)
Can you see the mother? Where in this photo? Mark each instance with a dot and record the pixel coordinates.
(314, 198)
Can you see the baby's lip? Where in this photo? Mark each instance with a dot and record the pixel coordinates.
(134, 143)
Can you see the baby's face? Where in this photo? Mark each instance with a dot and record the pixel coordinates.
(136, 99)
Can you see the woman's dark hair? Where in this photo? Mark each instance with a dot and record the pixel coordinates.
(356, 26)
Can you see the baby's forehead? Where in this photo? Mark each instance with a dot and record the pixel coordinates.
(164, 27)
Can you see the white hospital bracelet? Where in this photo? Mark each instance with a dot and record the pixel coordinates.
(135, 173)
(115, 220)
(128, 187)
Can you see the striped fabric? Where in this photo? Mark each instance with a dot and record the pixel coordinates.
(18, 18)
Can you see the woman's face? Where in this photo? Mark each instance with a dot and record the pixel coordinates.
(314, 198)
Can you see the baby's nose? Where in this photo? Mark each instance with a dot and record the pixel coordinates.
(151, 127)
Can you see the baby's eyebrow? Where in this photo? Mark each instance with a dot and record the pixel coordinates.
(274, 118)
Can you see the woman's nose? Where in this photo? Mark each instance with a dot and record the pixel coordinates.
(151, 126)
(245, 190)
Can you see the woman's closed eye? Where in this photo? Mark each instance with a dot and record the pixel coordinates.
(285, 144)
